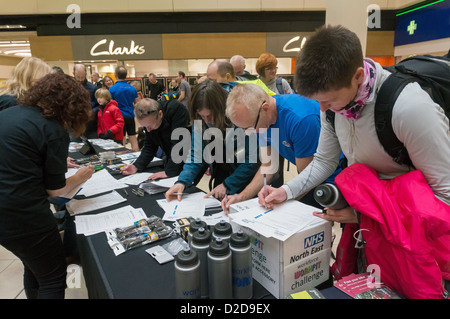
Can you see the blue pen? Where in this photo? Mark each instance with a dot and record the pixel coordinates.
(175, 210)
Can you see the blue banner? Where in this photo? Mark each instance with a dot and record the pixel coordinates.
(426, 23)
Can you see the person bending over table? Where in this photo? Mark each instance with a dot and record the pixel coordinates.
(228, 176)
(288, 125)
(417, 121)
(159, 120)
(33, 163)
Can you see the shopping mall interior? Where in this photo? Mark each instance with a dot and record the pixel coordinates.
(164, 37)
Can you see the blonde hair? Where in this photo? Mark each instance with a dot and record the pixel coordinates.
(24, 75)
(104, 93)
(250, 95)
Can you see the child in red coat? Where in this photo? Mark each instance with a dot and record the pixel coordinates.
(110, 120)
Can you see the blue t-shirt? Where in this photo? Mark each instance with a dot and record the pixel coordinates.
(124, 94)
(298, 125)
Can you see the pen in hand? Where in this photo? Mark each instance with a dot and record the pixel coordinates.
(226, 201)
(265, 191)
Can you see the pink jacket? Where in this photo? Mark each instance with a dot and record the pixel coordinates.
(408, 233)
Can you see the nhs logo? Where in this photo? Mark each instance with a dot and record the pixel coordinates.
(314, 239)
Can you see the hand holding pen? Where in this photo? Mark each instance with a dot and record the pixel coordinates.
(265, 190)
(269, 196)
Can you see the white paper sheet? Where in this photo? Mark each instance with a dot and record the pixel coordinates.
(80, 206)
(190, 205)
(166, 182)
(101, 182)
(121, 217)
(240, 206)
(215, 218)
(71, 171)
(281, 222)
(136, 179)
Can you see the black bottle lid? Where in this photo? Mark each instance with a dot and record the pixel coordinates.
(324, 195)
(187, 257)
(202, 236)
(239, 239)
(222, 228)
(219, 247)
(196, 224)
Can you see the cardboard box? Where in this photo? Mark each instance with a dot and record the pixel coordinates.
(301, 262)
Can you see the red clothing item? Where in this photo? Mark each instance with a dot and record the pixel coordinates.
(110, 118)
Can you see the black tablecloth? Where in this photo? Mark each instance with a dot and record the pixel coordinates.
(135, 274)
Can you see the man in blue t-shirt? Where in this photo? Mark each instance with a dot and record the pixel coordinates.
(126, 95)
(288, 125)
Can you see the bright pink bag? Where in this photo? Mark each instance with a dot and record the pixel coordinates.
(408, 233)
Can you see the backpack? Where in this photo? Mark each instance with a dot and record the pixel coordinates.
(433, 75)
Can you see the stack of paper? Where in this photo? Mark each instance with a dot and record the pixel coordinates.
(135, 179)
(80, 206)
(191, 205)
(281, 222)
(215, 218)
(101, 182)
(121, 217)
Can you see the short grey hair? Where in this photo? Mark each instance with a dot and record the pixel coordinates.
(237, 58)
(146, 107)
(249, 94)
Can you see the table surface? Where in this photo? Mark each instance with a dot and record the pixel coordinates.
(134, 274)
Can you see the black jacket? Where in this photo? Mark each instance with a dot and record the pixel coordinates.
(175, 115)
(7, 101)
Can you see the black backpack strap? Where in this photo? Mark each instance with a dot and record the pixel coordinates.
(386, 97)
(329, 116)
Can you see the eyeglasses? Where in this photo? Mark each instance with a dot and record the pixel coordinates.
(251, 130)
(275, 68)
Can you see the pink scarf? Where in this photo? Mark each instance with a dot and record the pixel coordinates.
(353, 109)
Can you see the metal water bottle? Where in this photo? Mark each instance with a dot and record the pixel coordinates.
(329, 195)
(187, 274)
(219, 270)
(222, 230)
(200, 243)
(241, 265)
(194, 226)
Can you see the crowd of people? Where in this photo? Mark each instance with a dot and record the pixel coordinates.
(40, 108)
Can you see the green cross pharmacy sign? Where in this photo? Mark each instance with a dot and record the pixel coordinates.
(412, 27)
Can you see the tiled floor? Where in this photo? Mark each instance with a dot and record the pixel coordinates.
(11, 268)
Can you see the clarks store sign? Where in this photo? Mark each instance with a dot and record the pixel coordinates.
(286, 44)
(117, 47)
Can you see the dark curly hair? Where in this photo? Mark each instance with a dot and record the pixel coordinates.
(60, 97)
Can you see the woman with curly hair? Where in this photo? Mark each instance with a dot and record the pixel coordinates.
(23, 76)
(34, 145)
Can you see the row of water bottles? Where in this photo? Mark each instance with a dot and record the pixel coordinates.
(216, 265)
